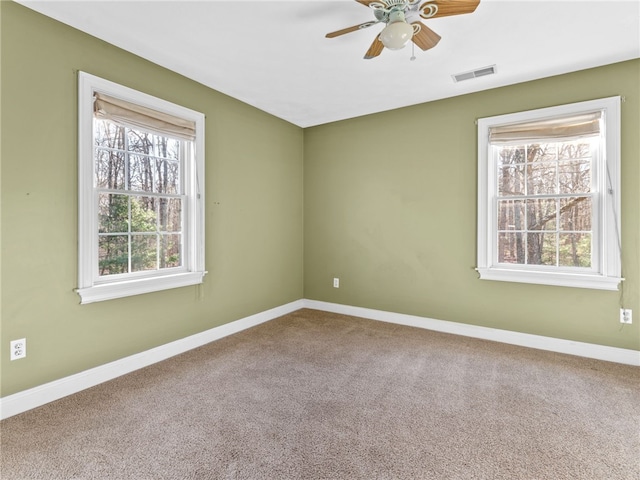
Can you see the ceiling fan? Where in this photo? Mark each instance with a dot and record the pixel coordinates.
(402, 19)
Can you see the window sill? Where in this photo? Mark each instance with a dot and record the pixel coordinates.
(109, 291)
(597, 282)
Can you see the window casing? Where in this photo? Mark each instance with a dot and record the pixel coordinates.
(549, 196)
(141, 200)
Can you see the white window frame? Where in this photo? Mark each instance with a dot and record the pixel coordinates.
(91, 287)
(606, 273)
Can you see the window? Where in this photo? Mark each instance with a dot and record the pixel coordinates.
(549, 196)
(141, 200)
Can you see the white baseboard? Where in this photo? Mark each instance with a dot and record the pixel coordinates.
(588, 350)
(48, 392)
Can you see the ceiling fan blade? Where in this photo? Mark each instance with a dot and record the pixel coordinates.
(337, 33)
(450, 7)
(367, 2)
(425, 38)
(375, 49)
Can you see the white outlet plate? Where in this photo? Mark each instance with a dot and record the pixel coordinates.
(336, 283)
(18, 349)
(625, 316)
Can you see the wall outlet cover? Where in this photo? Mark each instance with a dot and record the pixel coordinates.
(18, 349)
(625, 316)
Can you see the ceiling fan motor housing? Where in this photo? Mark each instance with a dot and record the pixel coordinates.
(389, 4)
(391, 11)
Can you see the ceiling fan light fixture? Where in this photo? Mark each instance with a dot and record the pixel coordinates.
(396, 35)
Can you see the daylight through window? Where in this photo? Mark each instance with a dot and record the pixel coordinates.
(140, 199)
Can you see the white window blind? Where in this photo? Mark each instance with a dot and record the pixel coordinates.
(566, 127)
(133, 115)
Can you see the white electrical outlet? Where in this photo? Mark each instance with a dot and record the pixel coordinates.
(18, 349)
(625, 315)
(336, 283)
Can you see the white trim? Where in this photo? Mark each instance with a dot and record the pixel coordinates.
(107, 291)
(588, 350)
(559, 279)
(48, 392)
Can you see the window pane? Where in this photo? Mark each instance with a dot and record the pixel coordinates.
(541, 178)
(152, 174)
(535, 153)
(109, 169)
(170, 251)
(173, 149)
(141, 173)
(575, 250)
(569, 150)
(511, 180)
(511, 248)
(113, 254)
(575, 214)
(511, 215)
(511, 155)
(143, 252)
(139, 141)
(107, 134)
(170, 214)
(143, 214)
(167, 175)
(541, 214)
(574, 176)
(165, 147)
(545, 152)
(113, 213)
(541, 248)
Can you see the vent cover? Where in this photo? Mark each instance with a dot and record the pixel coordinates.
(480, 72)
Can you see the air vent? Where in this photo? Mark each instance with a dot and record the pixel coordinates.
(480, 72)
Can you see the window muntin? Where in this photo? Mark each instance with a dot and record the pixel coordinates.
(141, 201)
(549, 195)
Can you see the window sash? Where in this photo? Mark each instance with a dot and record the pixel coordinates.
(129, 192)
(594, 194)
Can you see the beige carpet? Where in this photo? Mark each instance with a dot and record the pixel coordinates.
(314, 395)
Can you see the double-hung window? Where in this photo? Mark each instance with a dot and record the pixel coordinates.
(141, 198)
(549, 196)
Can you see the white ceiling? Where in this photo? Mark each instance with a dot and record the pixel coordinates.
(274, 54)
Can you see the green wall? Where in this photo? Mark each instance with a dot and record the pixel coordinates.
(254, 217)
(390, 209)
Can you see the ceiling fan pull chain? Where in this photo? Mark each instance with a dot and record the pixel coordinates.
(413, 52)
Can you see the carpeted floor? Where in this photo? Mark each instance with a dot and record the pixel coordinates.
(314, 395)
